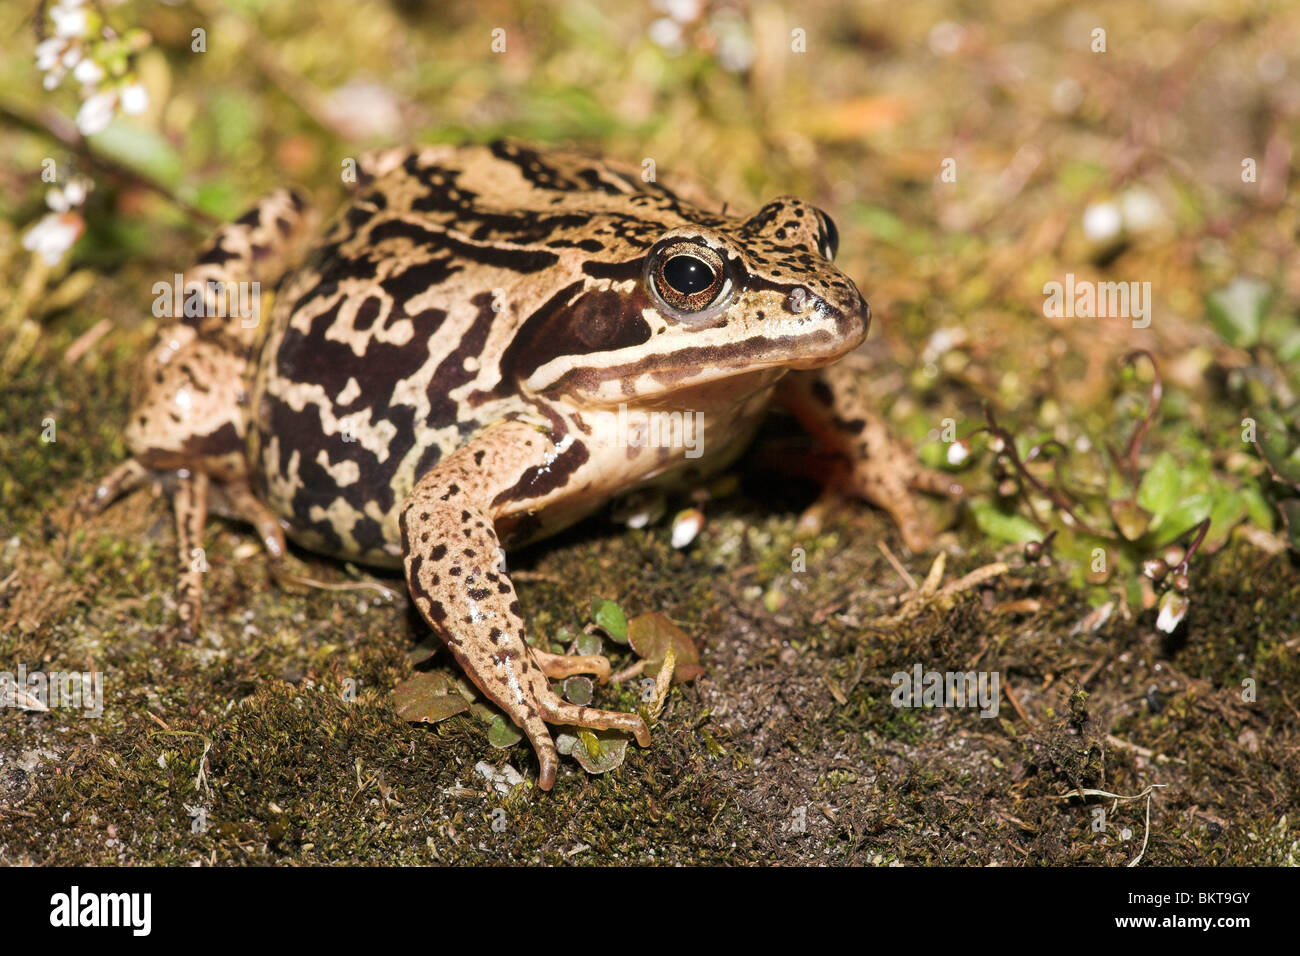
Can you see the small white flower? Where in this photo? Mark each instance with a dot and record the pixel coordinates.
(958, 452)
(69, 21)
(365, 111)
(946, 38)
(667, 34)
(71, 57)
(1141, 209)
(52, 79)
(683, 11)
(96, 113)
(48, 53)
(686, 526)
(88, 72)
(75, 192)
(54, 235)
(135, 99)
(57, 201)
(1173, 608)
(1102, 221)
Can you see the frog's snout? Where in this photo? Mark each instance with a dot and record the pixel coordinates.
(850, 313)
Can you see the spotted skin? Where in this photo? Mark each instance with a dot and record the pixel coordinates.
(443, 369)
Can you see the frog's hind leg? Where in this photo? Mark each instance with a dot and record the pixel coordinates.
(189, 425)
(450, 552)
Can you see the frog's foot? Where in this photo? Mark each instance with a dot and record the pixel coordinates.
(890, 481)
(450, 551)
(190, 503)
(122, 480)
(833, 405)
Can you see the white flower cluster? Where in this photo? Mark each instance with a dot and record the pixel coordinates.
(81, 45)
(724, 34)
(58, 229)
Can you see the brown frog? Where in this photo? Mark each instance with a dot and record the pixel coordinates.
(452, 369)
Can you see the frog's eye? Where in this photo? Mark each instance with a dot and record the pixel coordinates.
(829, 241)
(688, 277)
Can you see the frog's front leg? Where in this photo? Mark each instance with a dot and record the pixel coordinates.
(834, 406)
(450, 550)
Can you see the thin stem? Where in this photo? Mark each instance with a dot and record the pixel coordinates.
(1202, 529)
(1051, 494)
(1134, 447)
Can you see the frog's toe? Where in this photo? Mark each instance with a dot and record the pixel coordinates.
(936, 483)
(560, 666)
(125, 478)
(548, 761)
(558, 711)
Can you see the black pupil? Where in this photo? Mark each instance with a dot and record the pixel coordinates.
(687, 275)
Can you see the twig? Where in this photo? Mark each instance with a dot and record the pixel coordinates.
(898, 566)
(1125, 745)
(1146, 832)
(63, 131)
(1011, 696)
(628, 672)
(1053, 495)
(86, 341)
(975, 578)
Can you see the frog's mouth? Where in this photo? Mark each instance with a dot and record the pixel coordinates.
(706, 360)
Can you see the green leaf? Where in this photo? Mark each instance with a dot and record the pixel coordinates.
(1132, 520)
(1258, 511)
(1237, 310)
(429, 696)
(595, 752)
(609, 618)
(140, 149)
(503, 733)
(589, 645)
(652, 634)
(1190, 511)
(1227, 509)
(1003, 526)
(578, 690)
(1160, 486)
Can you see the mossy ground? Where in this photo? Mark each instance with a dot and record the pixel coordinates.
(788, 749)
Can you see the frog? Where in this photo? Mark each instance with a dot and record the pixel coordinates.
(446, 372)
